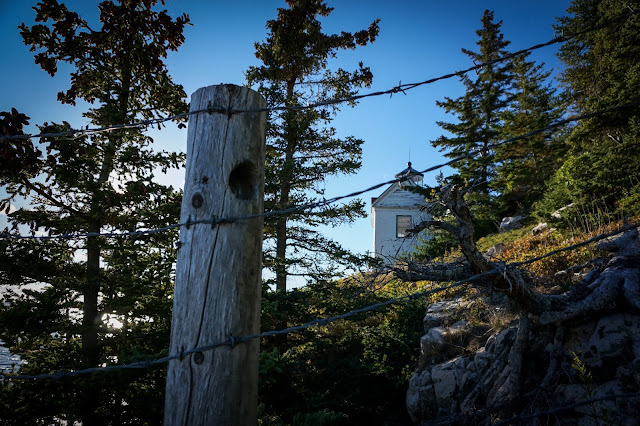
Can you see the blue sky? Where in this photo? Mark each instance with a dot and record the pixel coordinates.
(418, 40)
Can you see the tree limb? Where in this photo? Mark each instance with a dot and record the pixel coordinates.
(48, 196)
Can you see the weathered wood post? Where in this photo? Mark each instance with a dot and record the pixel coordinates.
(218, 277)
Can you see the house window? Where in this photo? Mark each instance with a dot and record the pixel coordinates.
(403, 224)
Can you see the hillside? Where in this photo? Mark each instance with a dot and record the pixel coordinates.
(486, 359)
(466, 355)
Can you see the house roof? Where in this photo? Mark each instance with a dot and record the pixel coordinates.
(411, 173)
(381, 197)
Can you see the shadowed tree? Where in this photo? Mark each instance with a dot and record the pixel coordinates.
(601, 70)
(94, 183)
(302, 148)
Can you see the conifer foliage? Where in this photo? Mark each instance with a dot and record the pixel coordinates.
(478, 110)
(302, 148)
(104, 300)
(601, 70)
(505, 99)
(524, 166)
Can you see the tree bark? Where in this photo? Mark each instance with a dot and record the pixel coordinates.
(510, 282)
(286, 178)
(90, 315)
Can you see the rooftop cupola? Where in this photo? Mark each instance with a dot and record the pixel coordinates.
(412, 176)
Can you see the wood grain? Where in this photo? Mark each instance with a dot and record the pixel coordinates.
(218, 277)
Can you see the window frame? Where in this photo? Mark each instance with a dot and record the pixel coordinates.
(400, 217)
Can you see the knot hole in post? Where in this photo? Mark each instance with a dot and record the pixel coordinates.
(242, 181)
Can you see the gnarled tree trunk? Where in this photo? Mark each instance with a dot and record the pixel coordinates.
(511, 283)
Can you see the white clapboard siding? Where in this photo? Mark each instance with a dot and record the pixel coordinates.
(395, 201)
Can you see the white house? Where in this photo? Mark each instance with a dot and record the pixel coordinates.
(394, 212)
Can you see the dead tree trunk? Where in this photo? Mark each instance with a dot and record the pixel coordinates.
(510, 282)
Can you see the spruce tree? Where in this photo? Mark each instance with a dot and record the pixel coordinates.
(524, 166)
(302, 148)
(478, 111)
(478, 122)
(96, 183)
(601, 70)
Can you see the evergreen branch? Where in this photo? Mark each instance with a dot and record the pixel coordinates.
(32, 186)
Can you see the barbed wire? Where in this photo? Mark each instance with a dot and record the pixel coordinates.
(116, 234)
(323, 202)
(233, 340)
(400, 88)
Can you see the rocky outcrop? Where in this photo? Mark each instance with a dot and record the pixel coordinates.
(597, 359)
(584, 347)
(456, 385)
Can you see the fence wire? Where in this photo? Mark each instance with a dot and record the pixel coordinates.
(400, 88)
(320, 203)
(234, 340)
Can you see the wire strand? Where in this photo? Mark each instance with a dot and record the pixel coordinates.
(316, 322)
(399, 88)
(323, 202)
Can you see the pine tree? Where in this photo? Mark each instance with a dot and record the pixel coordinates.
(524, 166)
(479, 122)
(94, 183)
(302, 150)
(601, 70)
(478, 111)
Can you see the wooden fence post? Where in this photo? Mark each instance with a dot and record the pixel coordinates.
(218, 277)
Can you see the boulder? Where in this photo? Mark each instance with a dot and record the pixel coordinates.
(436, 335)
(438, 313)
(494, 251)
(540, 228)
(421, 396)
(447, 381)
(456, 385)
(509, 223)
